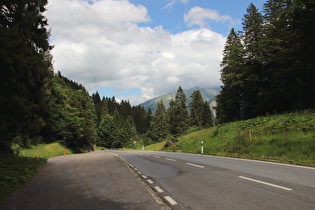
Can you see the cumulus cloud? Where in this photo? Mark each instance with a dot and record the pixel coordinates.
(201, 16)
(100, 45)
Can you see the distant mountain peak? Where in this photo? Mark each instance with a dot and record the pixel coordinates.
(208, 95)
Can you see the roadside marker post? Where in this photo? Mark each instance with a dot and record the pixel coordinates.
(64, 152)
(202, 147)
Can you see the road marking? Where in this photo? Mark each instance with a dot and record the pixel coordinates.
(191, 164)
(265, 183)
(259, 161)
(158, 189)
(143, 176)
(139, 172)
(156, 156)
(150, 181)
(170, 200)
(170, 159)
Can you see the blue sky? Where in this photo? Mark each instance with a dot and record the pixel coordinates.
(139, 49)
(172, 17)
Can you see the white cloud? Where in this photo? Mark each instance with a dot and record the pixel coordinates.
(201, 16)
(101, 45)
(172, 2)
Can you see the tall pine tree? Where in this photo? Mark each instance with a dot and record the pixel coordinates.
(253, 72)
(160, 120)
(25, 65)
(196, 106)
(230, 101)
(178, 114)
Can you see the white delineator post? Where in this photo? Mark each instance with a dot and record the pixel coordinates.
(202, 147)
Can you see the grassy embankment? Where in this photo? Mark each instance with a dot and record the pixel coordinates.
(287, 138)
(17, 170)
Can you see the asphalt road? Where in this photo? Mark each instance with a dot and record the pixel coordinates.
(208, 182)
(95, 180)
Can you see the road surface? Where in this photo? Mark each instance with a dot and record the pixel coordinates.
(189, 181)
(95, 180)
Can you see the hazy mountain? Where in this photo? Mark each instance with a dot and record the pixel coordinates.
(208, 95)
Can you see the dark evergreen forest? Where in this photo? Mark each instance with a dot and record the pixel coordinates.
(267, 68)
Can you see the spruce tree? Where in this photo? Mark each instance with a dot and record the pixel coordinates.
(196, 106)
(25, 65)
(253, 71)
(160, 120)
(207, 118)
(303, 42)
(230, 101)
(178, 114)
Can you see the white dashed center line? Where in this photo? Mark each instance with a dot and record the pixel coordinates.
(191, 164)
(170, 159)
(265, 183)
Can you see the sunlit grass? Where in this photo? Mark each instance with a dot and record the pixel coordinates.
(45, 150)
(287, 138)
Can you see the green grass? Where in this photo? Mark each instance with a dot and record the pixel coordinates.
(45, 150)
(16, 170)
(287, 138)
(155, 147)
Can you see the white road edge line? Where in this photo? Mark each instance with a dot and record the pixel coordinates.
(143, 176)
(265, 183)
(191, 164)
(156, 156)
(150, 181)
(170, 159)
(158, 189)
(170, 200)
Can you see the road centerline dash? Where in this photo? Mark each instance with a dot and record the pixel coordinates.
(265, 183)
(195, 165)
(170, 159)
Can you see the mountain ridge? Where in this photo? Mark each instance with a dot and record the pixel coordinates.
(208, 94)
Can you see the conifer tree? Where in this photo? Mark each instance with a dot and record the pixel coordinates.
(25, 65)
(100, 108)
(178, 114)
(161, 122)
(253, 71)
(207, 118)
(196, 106)
(105, 131)
(230, 102)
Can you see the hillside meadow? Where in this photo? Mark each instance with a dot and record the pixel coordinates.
(286, 138)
